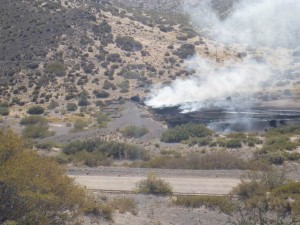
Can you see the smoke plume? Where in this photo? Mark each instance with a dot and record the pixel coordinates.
(211, 85)
(269, 23)
(259, 23)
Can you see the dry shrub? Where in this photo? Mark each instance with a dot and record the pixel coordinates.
(212, 161)
(124, 204)
(154, 185)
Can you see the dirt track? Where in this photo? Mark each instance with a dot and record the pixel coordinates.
(180, 185)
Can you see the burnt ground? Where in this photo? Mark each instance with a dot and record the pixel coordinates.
(249, 119)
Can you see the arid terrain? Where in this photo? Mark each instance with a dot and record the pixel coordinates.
(122, 91)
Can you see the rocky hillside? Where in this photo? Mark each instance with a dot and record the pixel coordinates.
(91, 51)
(86, 51)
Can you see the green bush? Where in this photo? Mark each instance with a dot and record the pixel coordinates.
(71, 107)
(212, 202)
(35, 110)
(292, 156)
(185, 132)
(99, 210)
(32, 185)
(280, 143)
(4, 111)
(113, 57)
(56, 68)
(101, 94)
(83, 101)
(91, 159)
(124, 86)
(32, 120)
(128, 43)
(53, 104)
(99, 103)
(256, 183)
(46, 145)
(79, 125)
(280, 196)
(213, 161)
(134, 131)
(185, 51)
(102, 119)
(276, 158)
(271, 192)
(154, 185)
(292, 129)
(233, 143)
(109, 85)
(277, 142)
(104, 32)
(109, 149)
(205, 141)
(37, 131)
(236, 140)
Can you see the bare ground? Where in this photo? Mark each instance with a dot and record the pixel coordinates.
(153, 210)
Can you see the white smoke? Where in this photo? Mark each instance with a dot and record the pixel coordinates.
(260, 23)
(270, 23)
(211, 85)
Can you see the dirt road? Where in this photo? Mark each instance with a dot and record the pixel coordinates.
(213, 182)
(180, 185)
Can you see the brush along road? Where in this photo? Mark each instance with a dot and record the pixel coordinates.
(124, 179)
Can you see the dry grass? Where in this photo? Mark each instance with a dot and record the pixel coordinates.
(224, 204)
(125, 204)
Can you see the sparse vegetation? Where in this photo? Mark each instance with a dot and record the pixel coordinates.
(278, 145)
(266, 193)
(213, 161)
